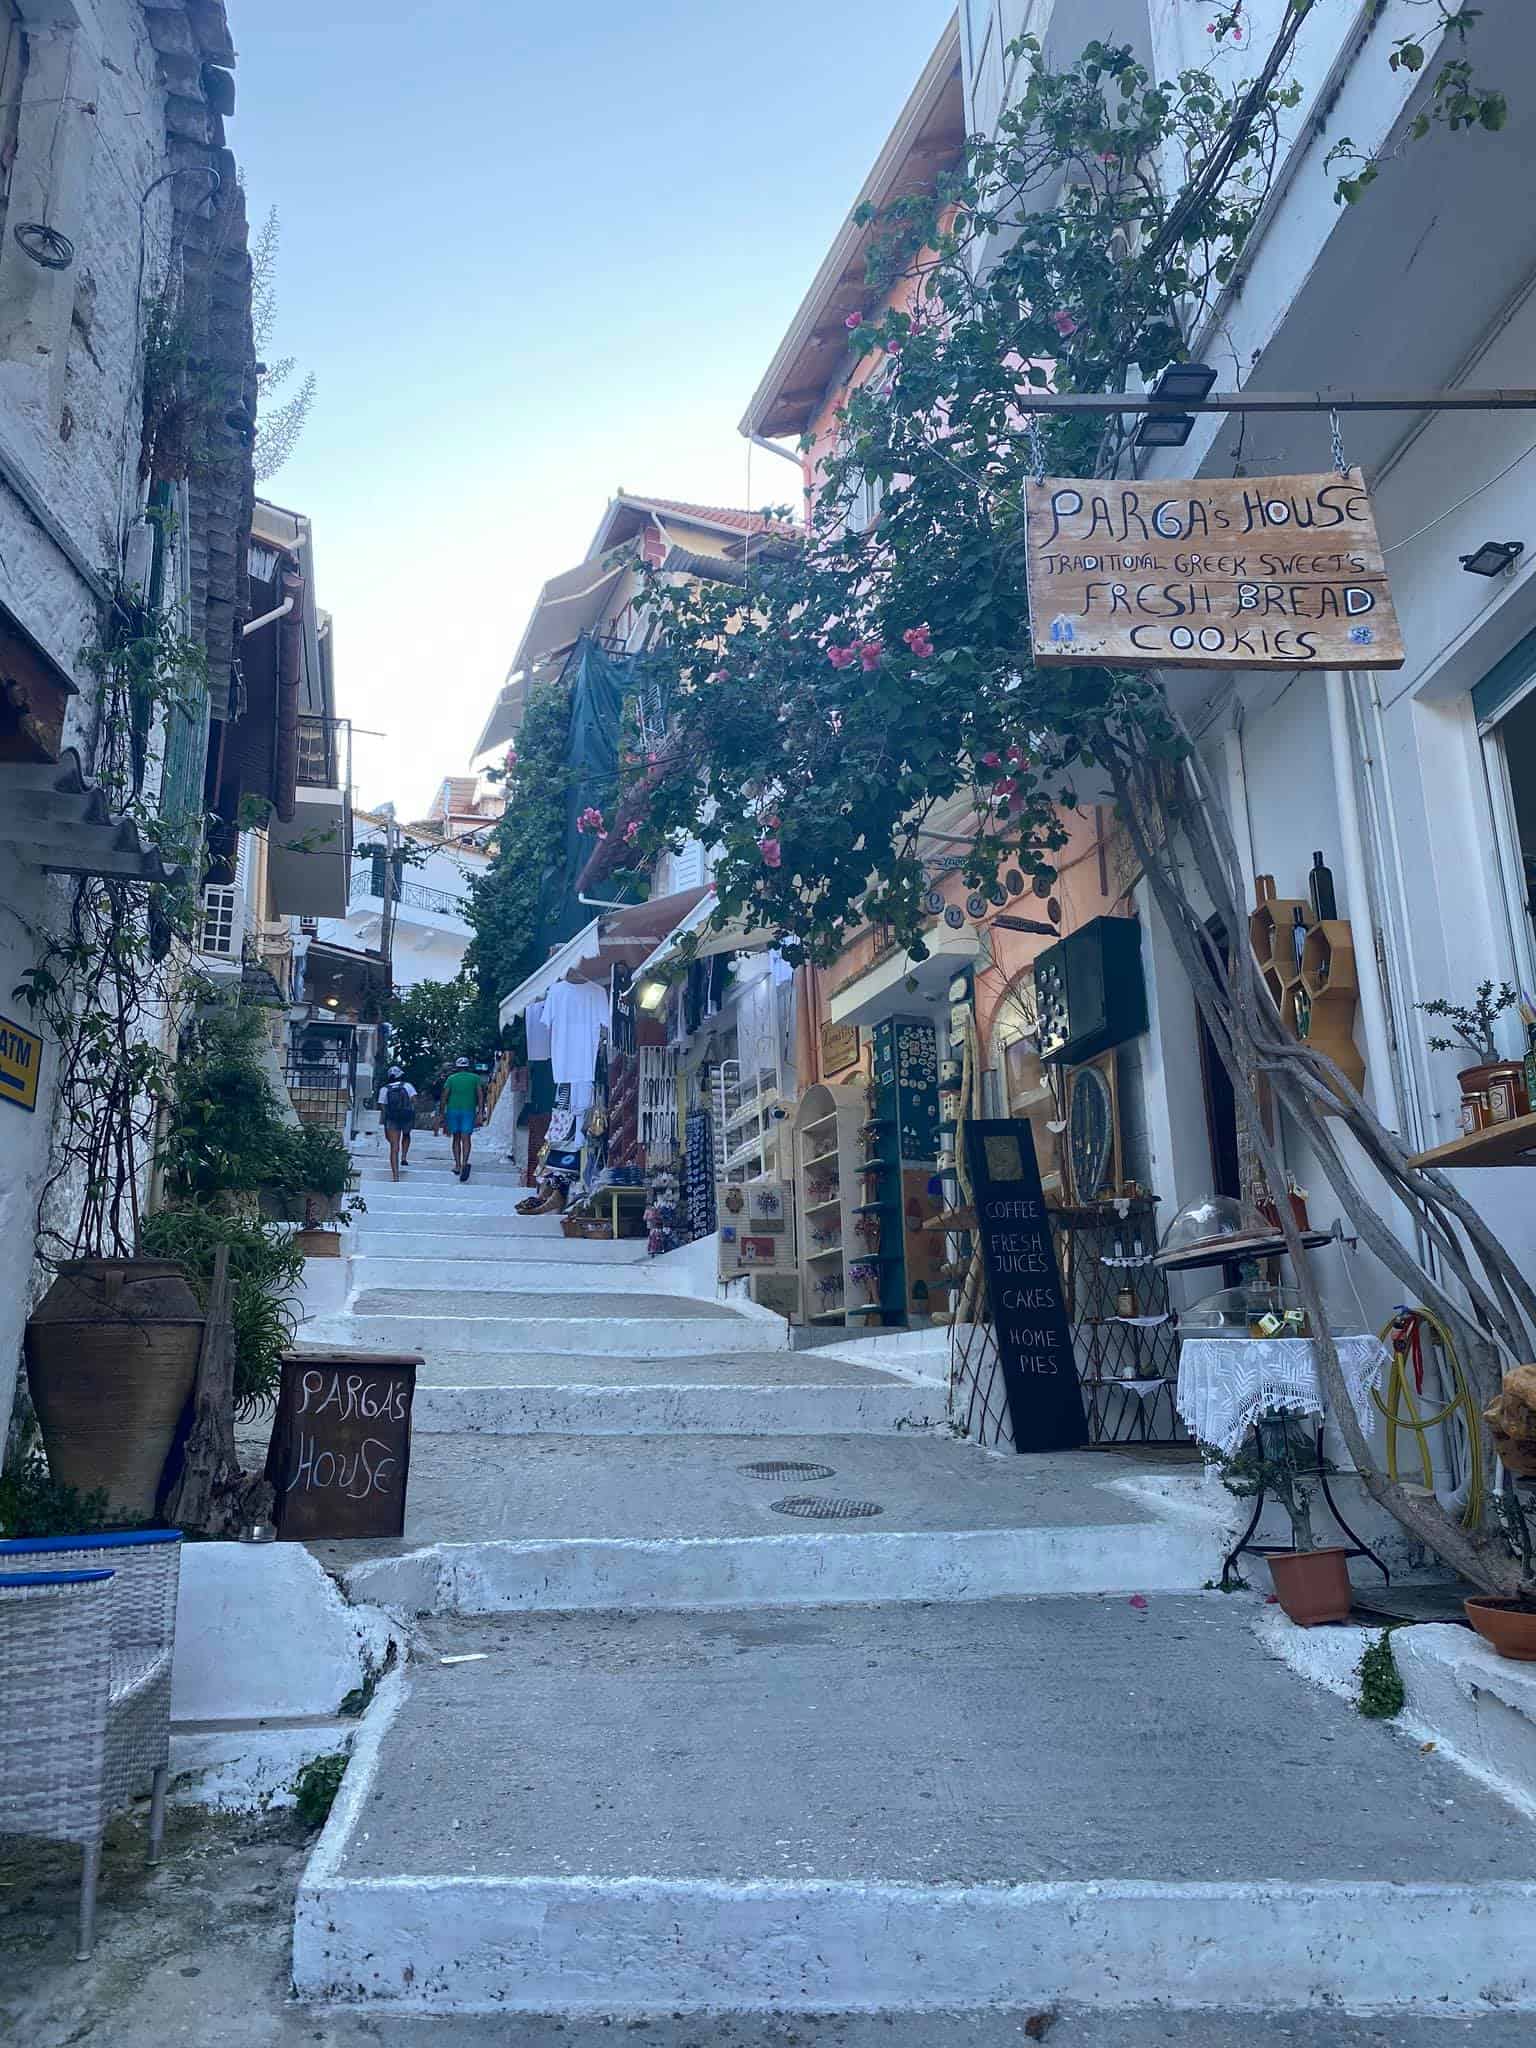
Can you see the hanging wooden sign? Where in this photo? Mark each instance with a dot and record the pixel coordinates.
(1213, 572)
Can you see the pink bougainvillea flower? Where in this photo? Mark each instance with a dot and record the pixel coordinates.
(918, 642)
(1017, 756)
(1064, 324)
(841, 657)
(854, 320)
(1138, 1600)
(992, 760)
(892, 344)
(771, 851)
(631, 831)
(870, 652)
(591, 820)
(1004, 786)
(716, 675)
(770, 824)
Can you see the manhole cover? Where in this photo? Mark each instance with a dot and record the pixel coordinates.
(820, 1507)
(785, 1468)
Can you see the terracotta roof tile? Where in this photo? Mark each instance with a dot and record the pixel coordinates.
(722, 515)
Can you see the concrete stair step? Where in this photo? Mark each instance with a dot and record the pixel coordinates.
(550, 1294)
(639, 1333)
(750, 1394)
(497, 1524)
(1011, 1803)
(473, 1251)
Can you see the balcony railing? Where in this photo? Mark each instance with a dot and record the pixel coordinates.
(367, 887)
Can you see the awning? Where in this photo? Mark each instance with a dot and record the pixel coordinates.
(882, 991)
(628, 937)
(555, 968)
(568, 606)
(53, 818)
(735, 937)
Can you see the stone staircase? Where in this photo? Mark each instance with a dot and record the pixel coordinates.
(739, 1683)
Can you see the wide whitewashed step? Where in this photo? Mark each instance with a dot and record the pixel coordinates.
(785, 1393)
(505, 1523)
(1020, 1803)
(475, 1252)
(649, 1327)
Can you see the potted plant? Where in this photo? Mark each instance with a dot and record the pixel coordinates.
(1311, 1582)
(865, 1275)
(1509, 1625)
(1493, 1091)
(315, 1176)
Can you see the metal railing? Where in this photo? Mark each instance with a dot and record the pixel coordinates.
(366, 888)
(325, 752)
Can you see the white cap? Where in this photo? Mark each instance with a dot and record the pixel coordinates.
(461, 1061)
(395, 1073)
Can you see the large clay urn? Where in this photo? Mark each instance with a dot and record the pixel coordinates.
(111, 1356)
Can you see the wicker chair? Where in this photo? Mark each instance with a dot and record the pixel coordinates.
(55, 1693)
(145, 1567)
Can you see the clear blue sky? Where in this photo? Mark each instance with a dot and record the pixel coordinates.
(533, 254)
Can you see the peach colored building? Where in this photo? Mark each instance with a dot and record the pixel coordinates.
(807, 384)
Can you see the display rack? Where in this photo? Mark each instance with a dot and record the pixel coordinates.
(826, 1152)
(1127, 1359)
(1316, 996)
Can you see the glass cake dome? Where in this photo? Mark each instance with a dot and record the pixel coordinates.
(1210, 1222)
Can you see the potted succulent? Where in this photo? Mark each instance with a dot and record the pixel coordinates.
(1311, 1581)
(1493, 1090)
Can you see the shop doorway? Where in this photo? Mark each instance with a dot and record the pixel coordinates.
(1220, 1102)
(1509, 757)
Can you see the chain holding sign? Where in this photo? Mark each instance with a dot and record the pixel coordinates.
(1280, 572)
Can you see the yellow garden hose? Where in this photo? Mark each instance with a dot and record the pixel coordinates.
(1401, 1409)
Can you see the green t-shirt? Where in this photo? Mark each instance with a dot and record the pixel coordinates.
(461, 1090)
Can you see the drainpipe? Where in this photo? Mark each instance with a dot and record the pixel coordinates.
(1357, 895)
(290, 673)
(773, 448)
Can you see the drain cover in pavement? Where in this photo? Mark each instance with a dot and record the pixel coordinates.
(820, 1507)
(785, 1468)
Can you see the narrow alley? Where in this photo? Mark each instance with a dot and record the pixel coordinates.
(659, 1746)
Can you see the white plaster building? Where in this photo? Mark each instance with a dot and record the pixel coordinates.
(116, 195)
(428, 929)
(1419, 785)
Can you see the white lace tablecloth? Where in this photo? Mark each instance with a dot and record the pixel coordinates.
(1227, 1383)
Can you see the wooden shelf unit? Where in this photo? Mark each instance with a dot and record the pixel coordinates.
(1510, 1144)
(826, 1146)
(1316, 998)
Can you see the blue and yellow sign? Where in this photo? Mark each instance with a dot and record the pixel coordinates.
(21, 1058)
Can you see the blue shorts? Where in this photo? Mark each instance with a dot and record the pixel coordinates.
(459, 1123)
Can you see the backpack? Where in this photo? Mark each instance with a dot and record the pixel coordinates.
(397, 1101)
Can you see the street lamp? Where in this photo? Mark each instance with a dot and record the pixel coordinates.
(1177, 384)
(1493, 557)
(650, 993)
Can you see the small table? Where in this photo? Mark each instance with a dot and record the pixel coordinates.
(1229, 1385)
(618, 1197)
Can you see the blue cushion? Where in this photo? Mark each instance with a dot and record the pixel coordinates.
(52, 1578)
(28, 1546)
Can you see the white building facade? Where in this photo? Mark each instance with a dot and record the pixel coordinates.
(1419, 786)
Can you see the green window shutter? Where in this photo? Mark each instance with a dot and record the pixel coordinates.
(186, 757)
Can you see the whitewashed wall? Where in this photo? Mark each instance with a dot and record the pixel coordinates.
(69, 418)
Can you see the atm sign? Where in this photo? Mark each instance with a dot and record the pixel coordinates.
(21, 1057)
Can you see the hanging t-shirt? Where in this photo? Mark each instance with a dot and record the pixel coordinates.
(538, 1030)
(576, 1012)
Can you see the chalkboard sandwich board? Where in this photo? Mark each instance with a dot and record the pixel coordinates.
(1029, 1317)
(340, 1454)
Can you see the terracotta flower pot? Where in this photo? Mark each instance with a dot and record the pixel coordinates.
(1312, 1585)
(111, 1357)
(1509, 1625)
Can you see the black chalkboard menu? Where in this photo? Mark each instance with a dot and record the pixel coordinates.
(341, 1443)
(1029, 1318)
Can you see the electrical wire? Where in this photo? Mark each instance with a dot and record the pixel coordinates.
(1460, 502)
